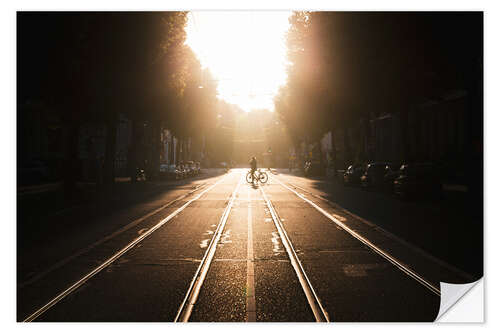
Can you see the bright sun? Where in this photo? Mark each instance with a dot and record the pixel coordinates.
(244, 50)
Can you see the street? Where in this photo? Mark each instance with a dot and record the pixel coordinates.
(224, 250)
(248, 165)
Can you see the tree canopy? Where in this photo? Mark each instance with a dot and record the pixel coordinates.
(346, 65)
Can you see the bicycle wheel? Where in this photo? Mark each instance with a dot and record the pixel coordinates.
(263, 177)
(249, 177)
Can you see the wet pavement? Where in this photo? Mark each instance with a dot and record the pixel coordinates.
(250, 277)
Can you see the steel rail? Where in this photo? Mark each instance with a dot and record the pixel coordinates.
(187, 305)
(404, 268)
(414, 248)
(317, 308)
(86, 249)
(114, 257)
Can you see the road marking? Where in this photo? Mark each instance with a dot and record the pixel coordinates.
(251, 309)
(187, 305)
(104, 239)
(204, 243)
(319, 312)
(276, 244)
(117, 255)
(404, 268)
(389, 234)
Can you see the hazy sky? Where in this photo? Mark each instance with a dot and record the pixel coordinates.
(245, 50)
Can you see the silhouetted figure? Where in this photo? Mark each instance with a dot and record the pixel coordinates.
(253, 167)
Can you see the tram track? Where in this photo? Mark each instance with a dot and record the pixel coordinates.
(317, 308)
(104, 239)
(73, 287)
(186, 308)
(403, 267)
(188, 303)
(466, 276)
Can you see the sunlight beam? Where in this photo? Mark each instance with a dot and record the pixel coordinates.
(245, 51)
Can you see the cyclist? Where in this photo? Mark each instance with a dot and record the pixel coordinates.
(253, 167)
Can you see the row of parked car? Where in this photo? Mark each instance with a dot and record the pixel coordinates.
(405, 180)
(180, 171)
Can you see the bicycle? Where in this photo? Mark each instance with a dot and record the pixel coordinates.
(259, 176)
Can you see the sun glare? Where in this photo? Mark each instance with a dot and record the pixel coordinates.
(244, 50)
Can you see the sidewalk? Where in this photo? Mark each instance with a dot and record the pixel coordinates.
(43, 210)
(52, 196)
(49, 198)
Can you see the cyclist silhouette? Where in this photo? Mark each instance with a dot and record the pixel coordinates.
(253, 166)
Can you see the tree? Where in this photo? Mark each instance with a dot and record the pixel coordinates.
(301, 102)
(346, 66)
(153, 53)
(196, 112)
(93, 65)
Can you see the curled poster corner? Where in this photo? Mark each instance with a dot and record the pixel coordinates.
(451, 295)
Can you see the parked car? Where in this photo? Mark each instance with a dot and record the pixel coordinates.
(418, 180)
(169, 172)
(140, 174)
(182, 170)
(352, 176)
(391, 173)
(373, 176)
(192, 168)
(163, 172)
(174, 172)
(187, 170)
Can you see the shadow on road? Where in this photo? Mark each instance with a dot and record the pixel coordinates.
(450, 228)
(43, 215)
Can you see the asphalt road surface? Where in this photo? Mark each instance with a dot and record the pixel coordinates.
(223, 250)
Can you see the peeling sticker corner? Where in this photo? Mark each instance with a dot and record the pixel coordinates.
(451, 302)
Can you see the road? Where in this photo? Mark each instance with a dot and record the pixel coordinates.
(223, 250)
